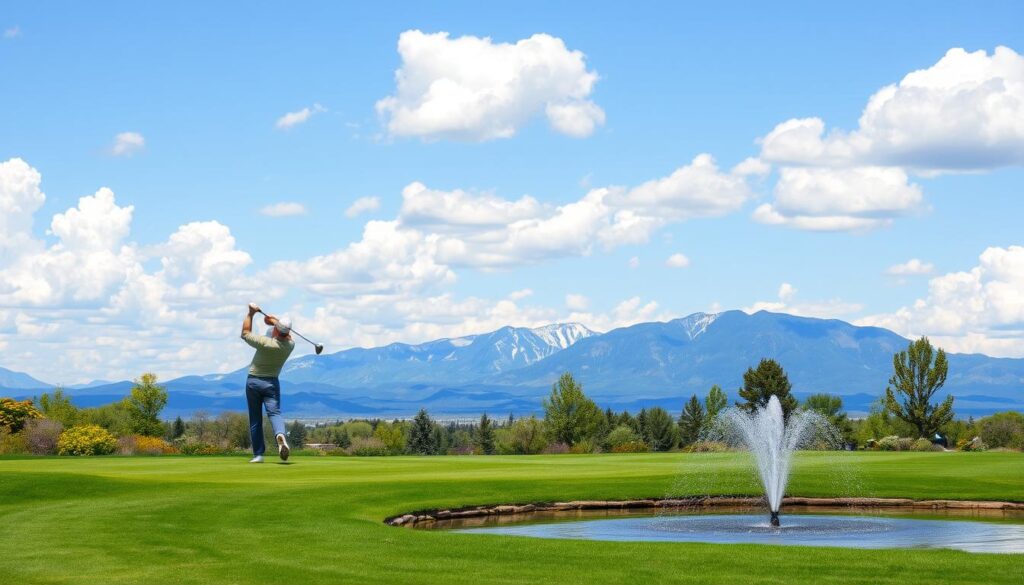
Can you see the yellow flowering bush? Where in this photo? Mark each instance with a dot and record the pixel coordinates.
(153, 446)
(86, 440)
(15, 413)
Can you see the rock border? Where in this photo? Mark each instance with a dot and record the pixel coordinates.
(423, 517)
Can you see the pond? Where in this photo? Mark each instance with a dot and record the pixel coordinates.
(986, 533)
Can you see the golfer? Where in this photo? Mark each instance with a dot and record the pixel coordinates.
(262, 388)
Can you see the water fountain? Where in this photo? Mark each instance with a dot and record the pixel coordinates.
(772, 439)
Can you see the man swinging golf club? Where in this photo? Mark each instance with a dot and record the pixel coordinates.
(262, 388)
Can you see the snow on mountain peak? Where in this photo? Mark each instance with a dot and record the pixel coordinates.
(562, 335)
(697, 323)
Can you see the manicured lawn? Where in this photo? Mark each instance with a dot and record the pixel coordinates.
(187, 520)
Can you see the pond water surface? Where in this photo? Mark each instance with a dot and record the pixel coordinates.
(876, 530)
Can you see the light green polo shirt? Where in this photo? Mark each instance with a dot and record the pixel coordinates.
(270, 354)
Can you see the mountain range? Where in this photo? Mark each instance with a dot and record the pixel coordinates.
(512, 369)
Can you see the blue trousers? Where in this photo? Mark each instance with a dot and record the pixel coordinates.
(263, 392)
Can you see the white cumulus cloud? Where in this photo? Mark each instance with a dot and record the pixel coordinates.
(471, 88)
(484, 230)
(840, 199)
(965, 112)
(980, 309)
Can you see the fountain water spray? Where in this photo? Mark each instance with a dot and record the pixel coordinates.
(772, 439)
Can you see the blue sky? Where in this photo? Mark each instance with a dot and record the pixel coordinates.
(196, 93)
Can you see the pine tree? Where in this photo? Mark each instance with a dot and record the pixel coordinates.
(442, 439)
(691, 422)
(343, 440)
(759, 385)
(178, 429)
(641, 423)
(421, 436)
(662, 433)
(919, 372)
(484, 439)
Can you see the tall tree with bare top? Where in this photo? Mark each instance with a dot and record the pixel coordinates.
(918, 373)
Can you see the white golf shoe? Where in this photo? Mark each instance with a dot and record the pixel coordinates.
(282, 447)
(257, 459)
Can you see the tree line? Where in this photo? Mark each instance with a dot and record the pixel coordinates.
(571, 421)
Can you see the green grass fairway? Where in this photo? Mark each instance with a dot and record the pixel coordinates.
(184, 520)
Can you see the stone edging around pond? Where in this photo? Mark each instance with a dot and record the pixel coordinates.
(428, 516)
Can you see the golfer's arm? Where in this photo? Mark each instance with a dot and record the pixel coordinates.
(247, 324)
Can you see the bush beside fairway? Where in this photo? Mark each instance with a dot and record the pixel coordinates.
(220, 520)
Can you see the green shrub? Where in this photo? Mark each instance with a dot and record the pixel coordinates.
(392, 436)
(368, 447)
(631, 447)
(585, 446)
(358, 430)
(905, 444)
(526, 436)
(12, 443)
(86, 440)
(890, 443)
(622, 435)
(921, 444)
(1003, 429)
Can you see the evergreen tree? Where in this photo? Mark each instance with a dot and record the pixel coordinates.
(641, 423)
(296, 434)
(421, 437)
(178, 429)
(143, 406)
(442, 440)
(569, 416)
(628, 420)
(484, 439)
(511, 419)
(662, 433)
(759, 385)
(919, 372)
(343, 440)
(715, 401)
(691, 422)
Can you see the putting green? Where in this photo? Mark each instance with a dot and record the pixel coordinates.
(220, 520)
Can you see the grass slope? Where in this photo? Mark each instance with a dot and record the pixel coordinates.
(187, 520)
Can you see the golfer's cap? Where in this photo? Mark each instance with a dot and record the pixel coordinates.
(284, 325)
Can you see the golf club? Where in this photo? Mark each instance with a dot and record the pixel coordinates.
(316, 346)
